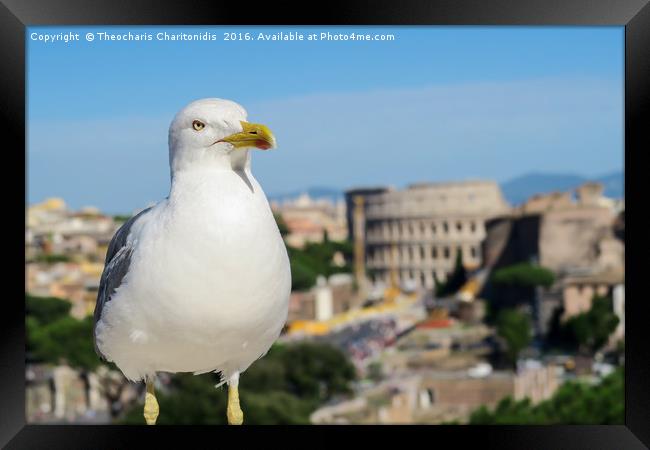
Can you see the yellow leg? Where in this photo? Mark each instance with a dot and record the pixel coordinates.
(234, 412)
(150, 404)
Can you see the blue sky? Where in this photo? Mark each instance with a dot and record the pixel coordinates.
(437, 103)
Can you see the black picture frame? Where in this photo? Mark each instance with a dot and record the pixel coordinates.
(634, 15)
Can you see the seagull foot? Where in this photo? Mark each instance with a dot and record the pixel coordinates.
(233, 411)
(235, 416)
(151, 408)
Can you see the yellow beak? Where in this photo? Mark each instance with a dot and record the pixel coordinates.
(252, 135)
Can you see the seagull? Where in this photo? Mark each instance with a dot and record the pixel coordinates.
(200, 281)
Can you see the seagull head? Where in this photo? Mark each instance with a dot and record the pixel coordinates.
(214, 132)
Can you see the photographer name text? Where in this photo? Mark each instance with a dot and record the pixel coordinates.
(291, 36)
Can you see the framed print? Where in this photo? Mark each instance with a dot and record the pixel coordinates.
(403, 215)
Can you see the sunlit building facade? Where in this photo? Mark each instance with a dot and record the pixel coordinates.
(418, 232)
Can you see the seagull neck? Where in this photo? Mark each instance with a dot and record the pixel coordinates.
(208, 171)
(206, 160)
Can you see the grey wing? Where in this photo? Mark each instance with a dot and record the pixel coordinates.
(116, 266)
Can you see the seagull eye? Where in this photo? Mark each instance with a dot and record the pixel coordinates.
(198, 125)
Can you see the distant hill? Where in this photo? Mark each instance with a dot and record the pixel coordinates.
(516, 190)
(318, 192)
(521, 188)
(614, 184)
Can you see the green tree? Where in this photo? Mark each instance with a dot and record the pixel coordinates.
(345, 247)
(46, 309)
(316, 259)
(188, 400)
(513, 285)
(41, 311)
(54, 337)
(514, 327)
(455, 280)
(284, 387)
(316, 370)
(120, 218)
(591, 330)
(193, 400)
(523, 275)
(65, 341)
(574, 402)
(277, 408)
(302, 275)
(52, 258)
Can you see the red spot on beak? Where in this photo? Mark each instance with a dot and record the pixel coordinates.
(262, 144)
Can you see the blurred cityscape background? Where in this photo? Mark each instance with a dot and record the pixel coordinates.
(472, 273)
(432, 304)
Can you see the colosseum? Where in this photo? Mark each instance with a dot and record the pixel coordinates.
(419, 231)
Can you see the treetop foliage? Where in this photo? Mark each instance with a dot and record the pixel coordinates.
(454, 281)
(524, 275)
(574, 402)
(46, 309)
(514, 327)
(284, 387)
(316, 259)
(590, 330)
